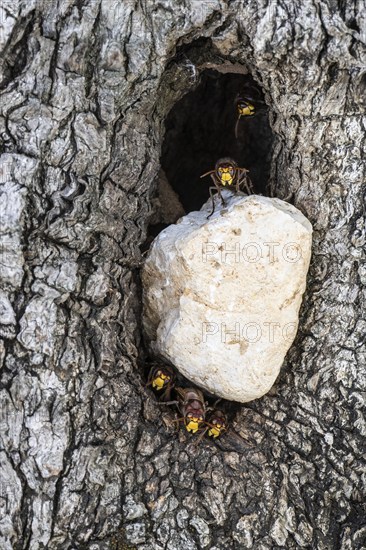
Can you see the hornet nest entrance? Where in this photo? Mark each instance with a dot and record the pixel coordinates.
(200, 129)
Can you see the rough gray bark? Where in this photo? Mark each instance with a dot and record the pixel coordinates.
(86, 461)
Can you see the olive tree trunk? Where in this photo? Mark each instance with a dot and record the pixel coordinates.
(86, 460)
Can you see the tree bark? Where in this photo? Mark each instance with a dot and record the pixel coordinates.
(86, 459)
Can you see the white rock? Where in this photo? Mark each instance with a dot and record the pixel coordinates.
(222, 296)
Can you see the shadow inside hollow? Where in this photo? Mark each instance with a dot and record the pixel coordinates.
(200, 129)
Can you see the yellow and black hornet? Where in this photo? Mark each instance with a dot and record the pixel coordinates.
(228, 174)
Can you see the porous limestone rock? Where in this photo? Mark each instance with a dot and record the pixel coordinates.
(222, 296)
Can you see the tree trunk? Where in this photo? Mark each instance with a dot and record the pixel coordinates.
(86, 458)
